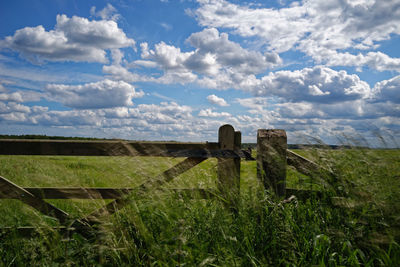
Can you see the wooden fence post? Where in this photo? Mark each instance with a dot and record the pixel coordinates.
(229, 168)
(271, 159)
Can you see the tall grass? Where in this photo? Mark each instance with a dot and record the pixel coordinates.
(361, 227)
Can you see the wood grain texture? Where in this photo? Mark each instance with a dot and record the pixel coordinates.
(271, 159)
(105, 193)
(78, 192)
(115, 148)
(228, 170)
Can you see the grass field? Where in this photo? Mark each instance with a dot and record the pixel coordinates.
(363, 228)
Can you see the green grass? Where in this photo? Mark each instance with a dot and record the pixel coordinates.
(361, 228)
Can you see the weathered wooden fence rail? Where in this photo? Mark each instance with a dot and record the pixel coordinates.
(116, 148)
(227, 150)
(272, 158)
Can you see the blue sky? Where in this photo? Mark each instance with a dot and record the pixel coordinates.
(177, 70)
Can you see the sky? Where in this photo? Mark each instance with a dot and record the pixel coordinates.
(323, 70)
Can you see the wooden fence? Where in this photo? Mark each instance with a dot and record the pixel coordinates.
(272, 158)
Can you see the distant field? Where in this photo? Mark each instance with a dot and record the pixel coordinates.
(364, 228)
(67, 171)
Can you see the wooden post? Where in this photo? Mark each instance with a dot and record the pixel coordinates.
(229, 168)
(236, 184)
(271, 159)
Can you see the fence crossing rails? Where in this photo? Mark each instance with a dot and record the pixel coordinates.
(194, 153)
(272, 159)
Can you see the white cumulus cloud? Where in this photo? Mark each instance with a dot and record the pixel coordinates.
(216, 59)
(215, 100)
(317, 84)
(102, 94)
(213, 114)
(73, 39)
(109, 12)
(387, 90)
(321, 29)
(214, 48)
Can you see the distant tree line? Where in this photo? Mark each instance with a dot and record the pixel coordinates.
(35, 136)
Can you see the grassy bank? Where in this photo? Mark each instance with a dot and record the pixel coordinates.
(360, 229)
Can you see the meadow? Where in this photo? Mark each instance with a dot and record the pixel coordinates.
(358, 227)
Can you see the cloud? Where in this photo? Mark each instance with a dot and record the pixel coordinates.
(168, 57)
(176, 77)
(103, 34)
(280, 28)
(33, 76)
(118, 72)
(215, 57)
(317, 84)
(359, 109)
(166, 120)
(311, 100)
(169, 120)
(257, 104)
(102, 94)
(170, 110)
(15, 112)
(145, 63)
(150, 116)
(13, 107)
(322, 30)
(215, 100)
(214, 49)
(387, 90)
(117, 55)
(324, 121)
(14, 97)
(166, 26)
(73, 39)
(107, 13)
(374, 60)
(210, 113)
(17, 96)
(152, 120)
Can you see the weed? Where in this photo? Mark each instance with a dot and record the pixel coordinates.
(359, 228)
